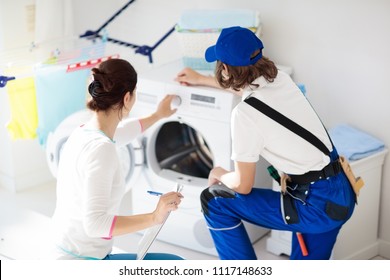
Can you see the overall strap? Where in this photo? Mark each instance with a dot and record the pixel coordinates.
(286, 122)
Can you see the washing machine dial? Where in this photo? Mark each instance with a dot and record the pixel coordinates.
(176, 102)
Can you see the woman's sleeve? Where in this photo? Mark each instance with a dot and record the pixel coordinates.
(127, 131)
(247, 143)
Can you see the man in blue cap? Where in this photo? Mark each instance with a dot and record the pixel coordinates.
(316, 198)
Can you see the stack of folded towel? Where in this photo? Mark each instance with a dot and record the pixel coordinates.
(353, 143)
(199, 29)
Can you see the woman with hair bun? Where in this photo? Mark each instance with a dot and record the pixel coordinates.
(90, 185)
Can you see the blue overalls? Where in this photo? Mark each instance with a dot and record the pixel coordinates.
(325, 206)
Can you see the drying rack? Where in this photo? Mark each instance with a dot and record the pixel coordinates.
(99, 35)
(72, 53)
(144, 49)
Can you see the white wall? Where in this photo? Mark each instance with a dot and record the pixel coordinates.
(16, 20)
(338, 49)
(22, 162)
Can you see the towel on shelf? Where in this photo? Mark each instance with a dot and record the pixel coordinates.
(197, 29)
(199, 19)
(353, 143)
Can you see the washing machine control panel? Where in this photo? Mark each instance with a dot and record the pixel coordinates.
(194, 101)
(190, 101)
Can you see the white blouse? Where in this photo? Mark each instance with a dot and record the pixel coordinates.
(90, 186)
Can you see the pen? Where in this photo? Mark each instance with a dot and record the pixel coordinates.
(154, 193)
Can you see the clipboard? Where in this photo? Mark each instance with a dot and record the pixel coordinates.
(151, 233)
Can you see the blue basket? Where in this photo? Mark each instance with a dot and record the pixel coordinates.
(198, 63)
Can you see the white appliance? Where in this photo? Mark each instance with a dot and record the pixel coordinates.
(183, 149)
(131, 155)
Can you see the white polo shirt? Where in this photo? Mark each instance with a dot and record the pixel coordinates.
(255, 134)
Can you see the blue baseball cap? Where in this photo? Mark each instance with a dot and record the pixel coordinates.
(234, 46)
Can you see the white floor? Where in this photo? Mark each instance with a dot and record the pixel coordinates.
(25, 215)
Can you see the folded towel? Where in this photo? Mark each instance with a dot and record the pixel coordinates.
(353, 143)
(217, 19)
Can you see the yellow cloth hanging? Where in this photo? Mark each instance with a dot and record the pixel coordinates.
(23, 105)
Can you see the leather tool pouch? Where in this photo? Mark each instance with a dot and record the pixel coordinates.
(356, 182)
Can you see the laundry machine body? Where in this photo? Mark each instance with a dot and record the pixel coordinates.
(131, 155)
(183, 149)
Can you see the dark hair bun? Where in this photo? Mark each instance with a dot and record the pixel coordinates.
(112, 80)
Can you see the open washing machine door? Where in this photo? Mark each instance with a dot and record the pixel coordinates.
(132, 161)
(57, 138)
(131, 155)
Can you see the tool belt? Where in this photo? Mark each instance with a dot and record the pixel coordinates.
(332, 169)
(299, 186)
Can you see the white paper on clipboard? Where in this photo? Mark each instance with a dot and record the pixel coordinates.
(147, 240)
(150, 235)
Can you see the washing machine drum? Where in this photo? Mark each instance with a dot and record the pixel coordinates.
(57, 139)
(181, 148)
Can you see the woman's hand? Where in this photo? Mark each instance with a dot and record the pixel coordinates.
(164, 109)
(188, 77)
(240, 180)
(168, 202)
(215, 175)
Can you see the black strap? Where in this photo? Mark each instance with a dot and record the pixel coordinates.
(332, 169)
(286, 122)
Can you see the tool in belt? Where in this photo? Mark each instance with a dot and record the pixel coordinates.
(304, 180)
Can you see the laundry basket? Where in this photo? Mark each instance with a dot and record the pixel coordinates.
(199, 29)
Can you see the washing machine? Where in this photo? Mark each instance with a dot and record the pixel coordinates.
(183, 149)
(131, 155)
